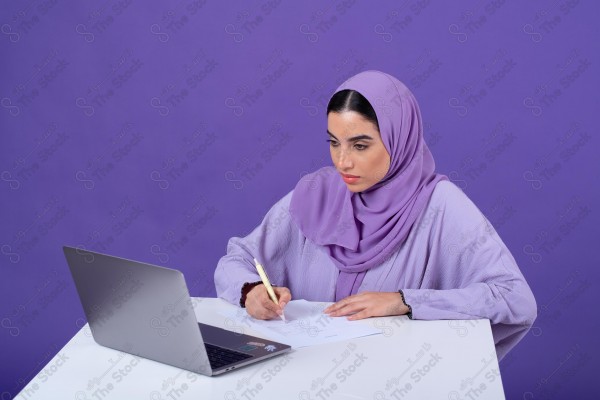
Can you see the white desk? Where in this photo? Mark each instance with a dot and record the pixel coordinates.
(452, 360)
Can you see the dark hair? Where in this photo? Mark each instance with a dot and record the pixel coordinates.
(351, 100)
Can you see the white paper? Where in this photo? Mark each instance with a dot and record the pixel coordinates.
(305, 325)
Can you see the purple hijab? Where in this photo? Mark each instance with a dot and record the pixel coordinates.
(360, 230)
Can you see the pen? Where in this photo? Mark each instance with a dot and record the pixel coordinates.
(265, 281)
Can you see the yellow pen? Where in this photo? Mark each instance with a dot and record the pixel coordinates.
(265, 281)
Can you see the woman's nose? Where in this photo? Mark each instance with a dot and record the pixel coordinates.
(344, 160)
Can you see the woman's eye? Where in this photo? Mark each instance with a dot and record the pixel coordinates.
(360, 147)
(333, 143)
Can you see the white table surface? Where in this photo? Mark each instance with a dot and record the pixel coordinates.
(411, 359)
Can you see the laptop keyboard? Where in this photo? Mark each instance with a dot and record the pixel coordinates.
(220, 356)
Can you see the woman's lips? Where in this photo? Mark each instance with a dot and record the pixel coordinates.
(350, 178)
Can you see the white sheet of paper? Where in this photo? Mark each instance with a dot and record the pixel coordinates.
(306, 325)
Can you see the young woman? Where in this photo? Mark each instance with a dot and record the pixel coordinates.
(380, 232)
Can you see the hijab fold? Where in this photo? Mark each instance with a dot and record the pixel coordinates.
(361, 230)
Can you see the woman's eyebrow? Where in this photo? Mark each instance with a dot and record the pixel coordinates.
(354, 138)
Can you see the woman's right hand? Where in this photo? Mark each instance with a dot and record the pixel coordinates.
(260, 306)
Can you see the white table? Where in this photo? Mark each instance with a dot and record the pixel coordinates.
(452, 360)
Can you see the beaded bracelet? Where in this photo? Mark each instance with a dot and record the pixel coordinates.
(245, 289)
(407, 305)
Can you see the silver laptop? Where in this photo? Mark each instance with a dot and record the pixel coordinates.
(146, 310)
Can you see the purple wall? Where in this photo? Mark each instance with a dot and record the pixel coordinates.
(157, 133)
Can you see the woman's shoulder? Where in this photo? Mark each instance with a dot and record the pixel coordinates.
(446, 191)
(453, 202)
(285, 200)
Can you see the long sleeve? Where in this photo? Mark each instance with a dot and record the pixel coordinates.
(271, 243)
(471, 274)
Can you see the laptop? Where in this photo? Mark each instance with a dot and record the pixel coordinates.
(146, 310)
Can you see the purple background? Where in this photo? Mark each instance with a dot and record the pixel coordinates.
(157, 133)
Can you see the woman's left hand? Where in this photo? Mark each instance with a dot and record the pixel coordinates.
(368, 304)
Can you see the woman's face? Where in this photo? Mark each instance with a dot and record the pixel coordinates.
(357, 150)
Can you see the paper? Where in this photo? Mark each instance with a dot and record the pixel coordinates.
(306, 325)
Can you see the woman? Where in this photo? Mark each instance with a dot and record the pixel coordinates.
(380, 233)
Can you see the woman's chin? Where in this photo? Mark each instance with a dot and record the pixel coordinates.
(355, 188)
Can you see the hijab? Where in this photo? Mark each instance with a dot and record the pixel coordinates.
(361, 230)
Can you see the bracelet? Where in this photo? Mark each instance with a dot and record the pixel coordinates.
(245, 289)
(410, 316)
